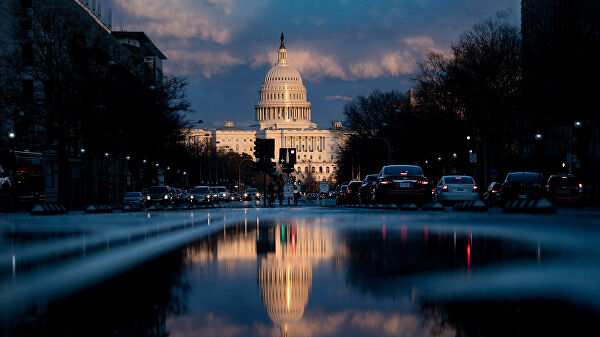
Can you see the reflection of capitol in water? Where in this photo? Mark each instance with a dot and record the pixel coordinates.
(286, 254)
(285, 274)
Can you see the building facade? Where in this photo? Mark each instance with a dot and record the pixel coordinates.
(282, 113)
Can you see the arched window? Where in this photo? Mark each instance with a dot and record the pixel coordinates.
(327, 169)
(313, 169)
(320, 169)
(306, 169)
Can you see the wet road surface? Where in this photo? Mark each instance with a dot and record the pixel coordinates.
(300, 272)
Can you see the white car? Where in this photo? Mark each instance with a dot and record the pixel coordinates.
(456, 188)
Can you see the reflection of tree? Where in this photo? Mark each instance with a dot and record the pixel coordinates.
(134, 304)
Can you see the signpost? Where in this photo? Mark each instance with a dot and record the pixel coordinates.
(288, 191)
(473, 158)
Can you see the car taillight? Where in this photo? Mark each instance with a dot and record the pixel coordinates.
(445, 188)
(580, 188)
(385, 182)
(423, 182)
(349, 191)
(475, 187)
(494, 191)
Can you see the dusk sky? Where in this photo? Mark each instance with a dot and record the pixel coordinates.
(342, 48)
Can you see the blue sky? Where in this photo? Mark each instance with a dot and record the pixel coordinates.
(342, 48)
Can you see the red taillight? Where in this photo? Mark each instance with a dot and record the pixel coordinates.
(580, 185)
(547, 188)
(494, 191)
(385, 182)
(445, 188)
(580, 188)
(423, 182)
(475, 188)
(403, 173)
(349, 191)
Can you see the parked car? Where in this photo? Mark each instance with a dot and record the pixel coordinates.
(200, 195)
(564, 189)
(364, 191)
(455, 188)
(134, 199)
(341, 195)
(522, 185)
(401, 183)
(493, 195)
(161, 195)
(250, 193)
(352, 193)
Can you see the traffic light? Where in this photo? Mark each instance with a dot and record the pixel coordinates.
(269, 149)
(259, 149)
(283, 152)
(270, 167)
(291, 156)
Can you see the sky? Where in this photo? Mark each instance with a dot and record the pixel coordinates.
(342, 48)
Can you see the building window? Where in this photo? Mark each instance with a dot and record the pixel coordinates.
(312, 169)
(306, 169)
(327, 169)
(26, 4)
(320, 169)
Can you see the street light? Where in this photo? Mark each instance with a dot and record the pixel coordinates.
(426, 162)
(454, 155)
(156, 165)
(538, 136)
(128, 158)
(439, 158)
(11, 135)
(82, 150)
(577, 124)
(388, 147)
(144, 161)
(168, 167)
(106, 154)
(468, 137)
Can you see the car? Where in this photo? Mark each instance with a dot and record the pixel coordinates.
(177, 196)
(455, 188)
(401, 183)
(522, 185)
(364, 192)
(352, 192)
(200, 195)
(250, 193)
(564, 189)
(222, 193)
(493, 195)
(161, 195)
(134, 199)
(341, 195)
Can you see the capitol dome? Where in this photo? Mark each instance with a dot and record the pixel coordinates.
(282, 97)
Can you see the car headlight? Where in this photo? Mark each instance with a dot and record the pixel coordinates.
(166, 197)
(245, 194)
(258, 194)
(147, 197)
(191, 197)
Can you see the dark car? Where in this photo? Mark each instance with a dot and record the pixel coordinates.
(401, 183)
(200, 195)
(522, 185)
(250, 193)
(364, 192)
(341, 195)
(134, 199)
(564, 189)
(352, 193)
(159, 195)
(493, 195)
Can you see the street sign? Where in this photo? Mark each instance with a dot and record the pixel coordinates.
(288, 191)
(161, 177)
(324, 188)
(473, 158)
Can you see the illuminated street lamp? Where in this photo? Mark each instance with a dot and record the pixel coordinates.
(468, 137)
(454, 155)
(156, 165)
(82, 150)
(439, 158)
(106, 154)
(11, 135)
(128, 158)
(538, 136)
(144, 161)
(577, 124)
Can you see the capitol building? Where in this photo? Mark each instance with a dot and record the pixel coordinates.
(282, 113)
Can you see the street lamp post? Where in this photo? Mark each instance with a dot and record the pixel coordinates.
(388, 147)
(242, 163)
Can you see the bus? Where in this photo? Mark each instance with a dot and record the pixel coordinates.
(22, 182)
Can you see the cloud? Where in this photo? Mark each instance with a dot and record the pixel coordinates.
(178, 18)
(338, 97)
(201, 63)
(312, 64)
(224, 5)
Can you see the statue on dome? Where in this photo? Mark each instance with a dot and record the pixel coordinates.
(282, 46)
